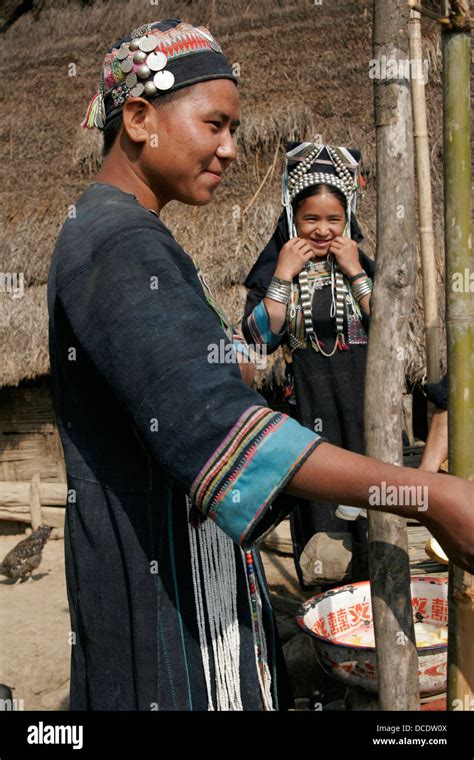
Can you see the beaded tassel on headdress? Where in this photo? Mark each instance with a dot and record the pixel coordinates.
(95, 114)
(89, 118)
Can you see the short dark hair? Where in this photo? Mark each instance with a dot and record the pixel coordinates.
(114, 125)
(317, 190)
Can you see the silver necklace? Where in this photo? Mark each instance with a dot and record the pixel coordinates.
(337, 307)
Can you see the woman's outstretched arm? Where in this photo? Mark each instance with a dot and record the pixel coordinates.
(443, 503)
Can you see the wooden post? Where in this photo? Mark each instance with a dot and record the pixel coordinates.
(425, 205)
(35, 502)
(460, 327)
(397, 661)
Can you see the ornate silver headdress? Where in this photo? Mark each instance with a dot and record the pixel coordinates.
(304, 167)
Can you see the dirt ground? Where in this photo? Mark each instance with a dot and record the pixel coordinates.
(34, 624)
(34, 631)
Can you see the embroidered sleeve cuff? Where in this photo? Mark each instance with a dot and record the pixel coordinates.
(258, 325)
(254, 463)
(240, 345)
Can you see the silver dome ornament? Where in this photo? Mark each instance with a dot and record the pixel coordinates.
(163, 80)
(137, 90)
(131, 80)
(148, 43)
(127, 66)
(139, 57)
(134, 45)
(143, 72)
(157, 61)
(150, 88)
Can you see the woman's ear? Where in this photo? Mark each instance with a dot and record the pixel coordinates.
(136, 116)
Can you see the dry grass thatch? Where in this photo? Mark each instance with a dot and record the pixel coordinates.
(301, 74)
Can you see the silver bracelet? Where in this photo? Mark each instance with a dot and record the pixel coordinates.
(362, 289)
(278, 292)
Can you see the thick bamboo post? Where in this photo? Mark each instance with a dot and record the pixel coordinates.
(397, 661)
(460, 328)
(425, 204)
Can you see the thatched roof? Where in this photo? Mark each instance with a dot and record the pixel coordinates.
(303, 71)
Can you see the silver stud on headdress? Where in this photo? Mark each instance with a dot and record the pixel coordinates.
(301, 177)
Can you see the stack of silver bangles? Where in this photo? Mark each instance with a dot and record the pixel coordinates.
(279, 290)
(362, 289)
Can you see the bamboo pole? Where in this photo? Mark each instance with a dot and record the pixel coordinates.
(397, 660)
(460, 328)
(425, 204)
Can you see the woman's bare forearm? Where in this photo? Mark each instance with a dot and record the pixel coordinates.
(277, 313)
(445, 504)
(342, 477)
(436, 448)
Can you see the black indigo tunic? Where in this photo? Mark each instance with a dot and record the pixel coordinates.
(152, 429)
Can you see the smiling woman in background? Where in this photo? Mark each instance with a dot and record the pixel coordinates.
(311, 289)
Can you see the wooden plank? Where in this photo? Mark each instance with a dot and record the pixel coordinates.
(53, 516)
(17, 494)
(21, 456)
(26, 411)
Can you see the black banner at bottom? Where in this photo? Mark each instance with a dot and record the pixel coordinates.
(311, 733)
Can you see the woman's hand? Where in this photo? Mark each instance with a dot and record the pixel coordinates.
(347, 255)
(247, 369)
(293, 258)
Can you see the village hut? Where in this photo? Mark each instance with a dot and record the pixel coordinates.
(304, 70)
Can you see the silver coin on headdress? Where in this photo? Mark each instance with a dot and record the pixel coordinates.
(99, 121)
(148, 43)
(214, 44)
(150, 88)
(157, 61)
(143, 72)
(127, 66)
(122, 53)
(100, 116)
(163, 80)
(131, 80)
(139, 57)
(137, 90)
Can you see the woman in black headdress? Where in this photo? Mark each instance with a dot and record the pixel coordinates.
(310, 289)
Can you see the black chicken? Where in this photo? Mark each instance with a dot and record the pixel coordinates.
(25, 556)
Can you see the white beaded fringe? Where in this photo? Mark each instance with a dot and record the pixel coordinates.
(213, 568)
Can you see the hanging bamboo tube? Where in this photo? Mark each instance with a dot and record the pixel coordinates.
(425, 204)
(394, 292)
(460, 327)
